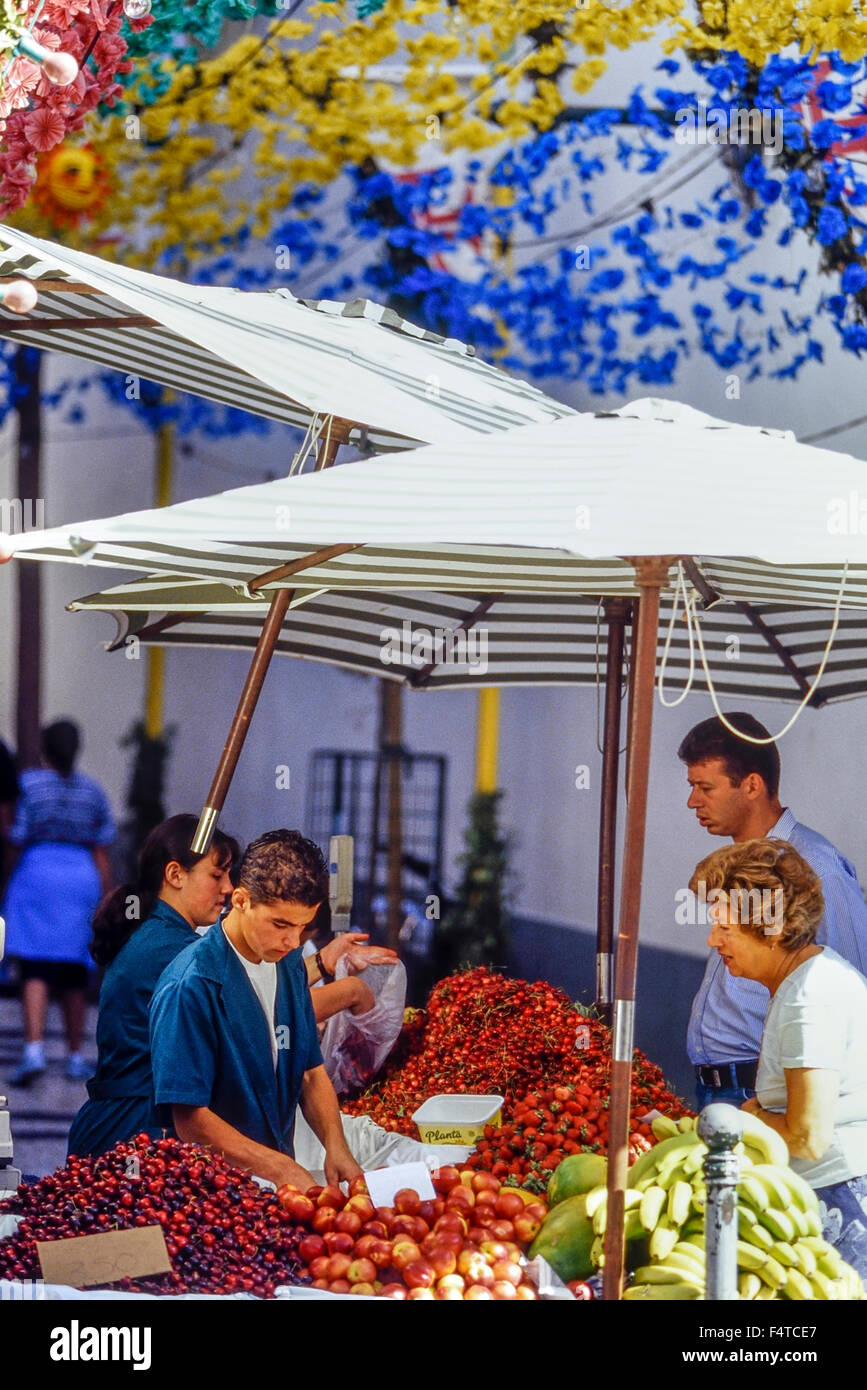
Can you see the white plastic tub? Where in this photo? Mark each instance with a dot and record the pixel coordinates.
(456, 1119)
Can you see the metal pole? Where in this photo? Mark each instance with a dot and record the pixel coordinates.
(241, 721)
(156, 672)
(616, 612)
(721, 1127)
(487, 738)
(651, 575)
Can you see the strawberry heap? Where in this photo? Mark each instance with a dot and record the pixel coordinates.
(484, 1033)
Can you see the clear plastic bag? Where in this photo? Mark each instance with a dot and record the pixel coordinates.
(354, 1046)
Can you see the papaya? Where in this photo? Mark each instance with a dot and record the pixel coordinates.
(576, 1174)
(565, 1239)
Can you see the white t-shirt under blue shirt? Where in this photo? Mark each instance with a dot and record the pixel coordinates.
(818, 1018)
(263, 977)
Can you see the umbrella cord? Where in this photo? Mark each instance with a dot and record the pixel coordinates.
(692, 620)
(311, 438)
(680, 592)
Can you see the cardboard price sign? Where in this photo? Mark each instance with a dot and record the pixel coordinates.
(80, 1261)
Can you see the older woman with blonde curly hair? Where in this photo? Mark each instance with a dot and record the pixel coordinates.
(765, 904)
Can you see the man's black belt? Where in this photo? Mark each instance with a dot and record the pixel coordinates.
(725, 1075)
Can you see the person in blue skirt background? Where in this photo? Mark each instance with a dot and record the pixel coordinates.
(61, 834)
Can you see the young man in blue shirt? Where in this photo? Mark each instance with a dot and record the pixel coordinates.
(734, 788)
(234, 1046)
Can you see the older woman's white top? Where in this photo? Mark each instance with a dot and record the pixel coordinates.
(818, 1018)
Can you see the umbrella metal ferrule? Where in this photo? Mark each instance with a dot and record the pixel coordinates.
(721, 1127)
(623, 1030)
(603, 978)
(205, 830)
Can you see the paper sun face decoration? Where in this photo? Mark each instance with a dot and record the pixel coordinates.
(20, 296)
(71, 184)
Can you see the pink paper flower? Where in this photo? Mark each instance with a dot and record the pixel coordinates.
(44, 128)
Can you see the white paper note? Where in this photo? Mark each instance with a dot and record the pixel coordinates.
(383, 1183)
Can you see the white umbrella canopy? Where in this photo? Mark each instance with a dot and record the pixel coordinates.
(385, 382)
(447, 641)
(763, 516)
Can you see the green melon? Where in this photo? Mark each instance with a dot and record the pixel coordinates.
(565, 1239)
(576, 1174)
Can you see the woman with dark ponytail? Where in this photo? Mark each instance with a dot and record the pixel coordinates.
(137, 931)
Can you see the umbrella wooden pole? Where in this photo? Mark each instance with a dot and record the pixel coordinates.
(616, 612)
(241, 721)
(392, 708)
(651, 574)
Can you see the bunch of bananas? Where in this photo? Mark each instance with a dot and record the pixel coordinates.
(780, 1250)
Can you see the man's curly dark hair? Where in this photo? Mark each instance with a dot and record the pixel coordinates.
(284, 866)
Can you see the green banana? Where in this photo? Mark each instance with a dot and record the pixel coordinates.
(663, 1239)
(758, 1135)
(806, 1259)
(595, 1198)
(799, 1220)
(804, 1195)
(797, 1287)
(830, 1263)
(822, 1286)
(693, 1239)
(686, 1123)
(818, 1244)
(663, 1127)
(658, 1274)
(749, 1257)
(779, 1193)
(746, 1217)
(779, 1223)
(754, 1155)
(813, 1222)
(653, 1199)
(753, 1193)
(661, 1292)
(693, 1160)
(690, 1269)
(785, 1253)
(650, 1161)
(679, 1199)
(772, 1272)
(759, 1237)
(749, 1285)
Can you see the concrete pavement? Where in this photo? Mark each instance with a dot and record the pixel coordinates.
(42, 1112)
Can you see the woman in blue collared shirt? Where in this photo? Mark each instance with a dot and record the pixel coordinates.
(137, 931)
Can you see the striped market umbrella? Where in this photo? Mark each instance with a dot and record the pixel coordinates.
(447, 641)
(382, 382)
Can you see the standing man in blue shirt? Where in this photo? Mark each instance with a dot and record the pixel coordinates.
(734, 788)
(234, 1046)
